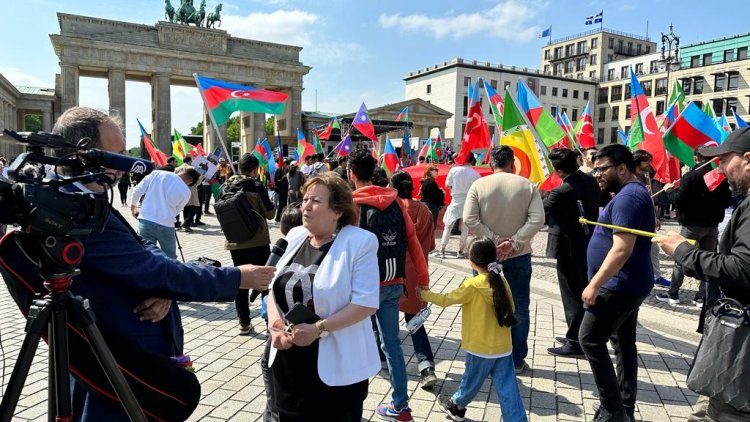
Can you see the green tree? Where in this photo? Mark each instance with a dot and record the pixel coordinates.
(233, 129)
(32, 122)
(197, 129)
(134, 152)
(270, 125)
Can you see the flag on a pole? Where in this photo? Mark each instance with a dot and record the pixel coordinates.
(677, 96)
(597, 18)
(404, 115)
(363, 123)
(496, 104)
(333, 124)
(738, 119)
(390, 162)
(280, 148)
(645, 131)
(198, 151)
(692, 129)
(623, 137)
(725, 128)
(304, 148)
(546, 33)
(269, 156)
(584, 130)
(435, 152)
(158, 157)
(344, 147)
(549, 131)
(713, 178)
(517, 135)
(316, 142)
(476, 133)
(180, 148)
(224, 98)
(425, 148)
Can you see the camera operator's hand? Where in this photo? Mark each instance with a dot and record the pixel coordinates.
(134, 211)
(153, 309)
(255, 277)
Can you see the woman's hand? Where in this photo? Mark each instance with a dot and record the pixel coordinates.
(153, 309)
(280, 339)
(304, 334)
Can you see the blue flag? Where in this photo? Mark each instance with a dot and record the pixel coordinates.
(738, 119)
(546, 33)
(590, 20)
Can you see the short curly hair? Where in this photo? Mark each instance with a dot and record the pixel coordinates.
(341, 196)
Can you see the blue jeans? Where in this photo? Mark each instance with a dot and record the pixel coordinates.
(164, 235)
(503, 376)
(518, 273)
(422, 348)
(388, 327)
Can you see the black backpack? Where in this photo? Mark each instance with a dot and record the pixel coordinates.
(238, 219)
(390, 228)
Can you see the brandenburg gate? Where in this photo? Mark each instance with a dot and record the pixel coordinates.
(169, 53)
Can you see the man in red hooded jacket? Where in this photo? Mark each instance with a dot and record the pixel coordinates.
(384, 215)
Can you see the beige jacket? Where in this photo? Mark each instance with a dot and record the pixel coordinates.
(505, 205)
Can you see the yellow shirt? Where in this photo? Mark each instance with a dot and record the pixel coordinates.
(480, 332)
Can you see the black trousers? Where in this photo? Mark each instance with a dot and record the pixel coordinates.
(283, 196)
(123, 193)
(206, 195)
(190, 213)
(257, 256)
(573, 279)
(613, 318)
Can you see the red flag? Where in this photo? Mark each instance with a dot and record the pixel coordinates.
(197, 151)
(158, 157)
(713, 178)
(552, 181)
(652, 139)
(477, 133)
(585, 133)
(363, 123)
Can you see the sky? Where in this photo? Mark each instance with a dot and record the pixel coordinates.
(358, 50)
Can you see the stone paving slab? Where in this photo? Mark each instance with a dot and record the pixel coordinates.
(555, 389)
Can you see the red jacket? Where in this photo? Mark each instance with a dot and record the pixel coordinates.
(381, 198)
(422, 218)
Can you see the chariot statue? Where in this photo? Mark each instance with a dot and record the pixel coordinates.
(214, 17)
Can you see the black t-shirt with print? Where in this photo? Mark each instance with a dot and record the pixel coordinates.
(298, 389)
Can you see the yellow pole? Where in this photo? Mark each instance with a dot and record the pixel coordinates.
(625, 229)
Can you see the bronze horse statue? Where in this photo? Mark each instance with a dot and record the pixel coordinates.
(168, 11)
(214, 17)
(200, 14)
(185, 12)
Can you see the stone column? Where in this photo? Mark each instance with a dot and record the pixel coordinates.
(259, 126)
(208, 135)
(161, 111)
(69, 95)
(117, 95)
(3, 118)
(47, 120)
(246, 132)
(294, 105)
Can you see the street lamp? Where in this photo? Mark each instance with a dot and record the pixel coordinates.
(670, 50)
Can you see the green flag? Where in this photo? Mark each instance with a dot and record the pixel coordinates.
(677, 96)
(635, 136)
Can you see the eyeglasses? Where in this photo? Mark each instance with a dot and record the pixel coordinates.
(602, 169)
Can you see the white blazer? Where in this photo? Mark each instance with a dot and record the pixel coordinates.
(348, 274)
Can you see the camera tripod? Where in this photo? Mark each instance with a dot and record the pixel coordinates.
(58, 257)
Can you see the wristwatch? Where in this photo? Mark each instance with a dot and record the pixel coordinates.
(322, 331)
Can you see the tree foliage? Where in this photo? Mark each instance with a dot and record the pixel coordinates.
(33, 122)
(197, 129)
(270, 126)
(233, 129)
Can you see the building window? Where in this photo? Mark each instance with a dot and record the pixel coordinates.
(558, 69)
(506, 84)
(620, 45)
(616, 94)
(707, 60)
(742, 53)
(661, 87)
(699, 104)
(493, 84)
(574, 115)
(466, 106)
(603, 94)
(646, 87)
(581, 47)
(728, 55)
(733, 82)
(627, 91)
(579, 75)
(594, 41)
(687, 84)
(553, 110)
(543, 90)
(467, 80)
(570, 50)
(638, 50)
(558, 53)
(615, 113)
(600, 136)
(698, 86)
(554, 91)
(585, 95)
(429, 88)
(613, 135)
(546, 68)
(569, 66)
(546, 54)
(659, 108)
(575, 93)
(718, 106)
(732, 105)
(610, 74)
(609, 58)
(602, 114)
(639, 68)
(648, 49)
(624, 72)
(581, 64)
(565, 93)
(695, 61)
(592, 60)
(611, 43)
(564, 111)
(592, 74)
(653, 67)
(719, 81)
(627, 112)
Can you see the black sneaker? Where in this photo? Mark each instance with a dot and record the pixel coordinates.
(200, 223)
(567, 351)
(428, 377)
(665, 297)
(187, 229)
(245, 329)
(450, 408)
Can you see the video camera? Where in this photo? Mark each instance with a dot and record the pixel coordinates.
(39, 199)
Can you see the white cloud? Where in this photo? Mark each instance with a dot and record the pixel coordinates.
(509, 20)
(19, 77)
(334, 53)
(281, 26)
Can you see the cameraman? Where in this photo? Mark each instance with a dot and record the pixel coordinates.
(132, 286)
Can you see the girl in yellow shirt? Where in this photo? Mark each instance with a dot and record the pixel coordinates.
(487, 312)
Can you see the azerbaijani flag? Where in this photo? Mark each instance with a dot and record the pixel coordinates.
(725, 128)
(304, 148)
(549, 131)
(435, 150)
(644, 132)
(158, 157)
(390, 162)
(344, 147)
(269, 155)
(224, 98)
(425, 148)
(496, 104)
(691, 130)
(363, 123)
(404, 115)
(333, 124)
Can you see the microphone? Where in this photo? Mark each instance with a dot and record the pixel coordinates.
(111, 160)
(278, 249)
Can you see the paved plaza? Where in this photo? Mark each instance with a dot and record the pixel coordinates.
(554, 389)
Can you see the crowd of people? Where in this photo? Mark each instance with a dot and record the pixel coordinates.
(357, 257)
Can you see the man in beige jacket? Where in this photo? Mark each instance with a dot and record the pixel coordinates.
(508, 209)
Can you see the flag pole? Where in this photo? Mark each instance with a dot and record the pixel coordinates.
(601, 21)
(216, 127)
(550, 35)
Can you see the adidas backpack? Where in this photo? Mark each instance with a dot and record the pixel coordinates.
(389, 226)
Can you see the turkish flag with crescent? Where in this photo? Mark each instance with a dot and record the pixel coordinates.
(652, 139)
(476, 133)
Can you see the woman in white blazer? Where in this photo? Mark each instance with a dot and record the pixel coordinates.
(321, 370)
